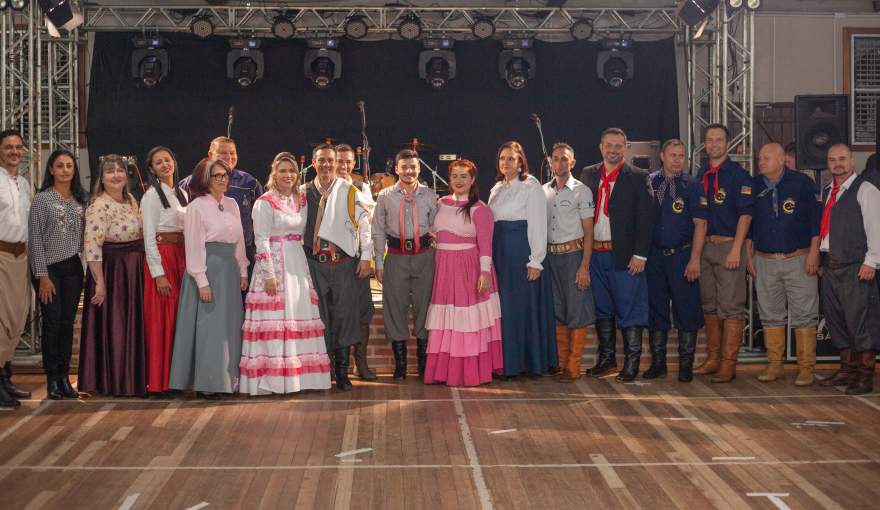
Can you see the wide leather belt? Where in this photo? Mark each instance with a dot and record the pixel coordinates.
(15, 249)
(666, 252)
(169, 237)
(326, 257)
(566, 247)
(718, 239)
(408, 246)
(782, 256)
(602, 246)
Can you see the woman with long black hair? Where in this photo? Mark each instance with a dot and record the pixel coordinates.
(55, 237)
(162, 209)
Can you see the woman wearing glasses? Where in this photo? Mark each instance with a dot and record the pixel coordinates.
(207, 340)
(111, 354)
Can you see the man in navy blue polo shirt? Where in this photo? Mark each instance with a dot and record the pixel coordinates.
(783, 257)
(728, 189)
(243, 188)
(674, 262)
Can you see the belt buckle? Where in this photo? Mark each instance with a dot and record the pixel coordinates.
(668, 251)
(779, 256)
(408, 245)
(322, 258)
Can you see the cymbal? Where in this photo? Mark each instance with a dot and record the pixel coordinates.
(417, 146)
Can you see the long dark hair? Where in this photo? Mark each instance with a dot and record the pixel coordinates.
(520, 152)
(154, 179)
(474, 192)
(76, 188)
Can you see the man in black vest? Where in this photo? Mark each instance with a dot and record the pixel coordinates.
(850, 243)
(623, 226)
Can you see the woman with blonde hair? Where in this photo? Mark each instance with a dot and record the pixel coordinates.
(283, 347)
(111, 354)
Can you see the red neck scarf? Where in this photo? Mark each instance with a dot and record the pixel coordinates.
(712, 170)
(604, 194)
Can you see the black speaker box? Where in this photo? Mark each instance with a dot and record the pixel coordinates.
(820, 122)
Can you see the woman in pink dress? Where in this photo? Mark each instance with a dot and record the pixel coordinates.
(464, 318)
(283, 337)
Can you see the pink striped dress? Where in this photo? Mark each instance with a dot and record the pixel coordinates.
(282, 347)
(464, 327)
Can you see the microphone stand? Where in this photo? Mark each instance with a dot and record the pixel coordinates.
(231, 116)
(365, 143)
(537, 121)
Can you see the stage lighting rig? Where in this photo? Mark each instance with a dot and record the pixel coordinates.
(692, 12)
(753, 5)
(483, 27)
(282, 27)
(614, 65)
(17, 5)
(202, 26)
(4, 4)
(149, 60)
(322, 64)
(516, 63)
(58, 13)
(411, 27)
(356, 27)
(437, 63)
(582, 29)
(244, 62)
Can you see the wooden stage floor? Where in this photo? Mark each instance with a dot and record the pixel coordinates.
(517, 444)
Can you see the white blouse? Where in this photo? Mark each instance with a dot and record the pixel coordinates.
(523, 200)
(159, 219)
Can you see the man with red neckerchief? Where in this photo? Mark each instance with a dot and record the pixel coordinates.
(728, 188)
(622, 231)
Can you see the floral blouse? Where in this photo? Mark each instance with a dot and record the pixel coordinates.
(109, 221)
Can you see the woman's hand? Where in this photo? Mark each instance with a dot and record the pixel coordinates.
(483, 283)
(205, 294)
(533, 274)
(99, 295)
(163, 286)
(270, 286)
(47, 290)
(244, 283)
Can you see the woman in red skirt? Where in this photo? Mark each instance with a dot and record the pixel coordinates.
(162, 208)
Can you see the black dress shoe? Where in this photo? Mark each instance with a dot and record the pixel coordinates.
(53, 389)
(207, 395)
(399, 350)
(67, 389)
(7, 401)
(11, 389)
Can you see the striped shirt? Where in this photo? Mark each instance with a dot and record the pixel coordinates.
(55, 230)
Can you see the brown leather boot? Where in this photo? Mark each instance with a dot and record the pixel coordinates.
(806, 351)
(845, 373)
(730, 343)
(563, 339)
(774, 340)
(864, 381)
(578, 341)
(713, 346)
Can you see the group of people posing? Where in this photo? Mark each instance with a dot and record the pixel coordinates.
(215, 285)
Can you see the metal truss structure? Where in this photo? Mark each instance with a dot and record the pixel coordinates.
(39, 97)
(39, 75)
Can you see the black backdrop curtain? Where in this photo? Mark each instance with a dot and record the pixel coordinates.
(284, 112)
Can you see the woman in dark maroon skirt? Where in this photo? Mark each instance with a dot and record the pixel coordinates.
(111, 356)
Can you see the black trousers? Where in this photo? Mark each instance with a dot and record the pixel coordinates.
(851, 307)
(59, 314)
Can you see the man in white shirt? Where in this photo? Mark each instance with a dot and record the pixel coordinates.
(15, 203)
(849, 239)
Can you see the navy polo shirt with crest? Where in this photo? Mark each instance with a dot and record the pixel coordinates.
(674, 226)
(790, 223)
(733, 199)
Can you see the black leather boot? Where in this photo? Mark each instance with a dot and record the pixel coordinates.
(67, 388)
(7, 401)
(422, 355)
(340, 359)
(606, 353)
(687, 344)
(53, 388)
(7, 383)
(360, 356)
(632, 350)
(657, 340)
(399, 349)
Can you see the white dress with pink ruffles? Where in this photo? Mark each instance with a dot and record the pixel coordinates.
(283, 337)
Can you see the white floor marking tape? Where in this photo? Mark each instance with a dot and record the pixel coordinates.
(201, 505)
(129, 502)
(502, 431)
(471, 451)
(773, 497)
(353, 452)
(732, 458)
